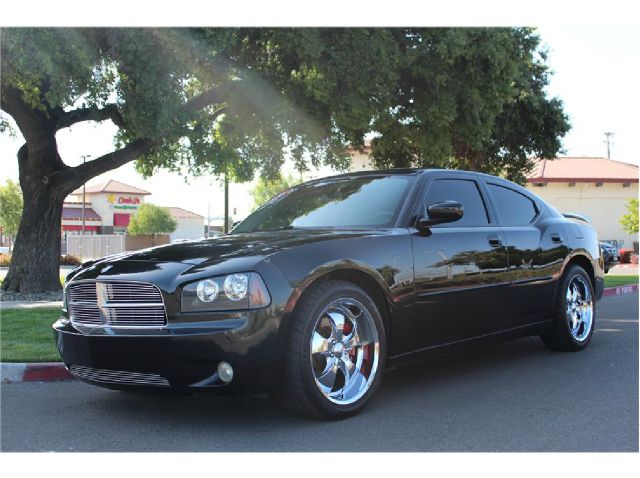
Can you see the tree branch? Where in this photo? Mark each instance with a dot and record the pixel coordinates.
(34, 123)
(64, 119)
(202, 100)
(71, 178)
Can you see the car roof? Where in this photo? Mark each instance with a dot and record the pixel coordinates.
(427, 171)
(411, 172)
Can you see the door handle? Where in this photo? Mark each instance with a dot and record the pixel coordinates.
(495, 241)
(555, 237)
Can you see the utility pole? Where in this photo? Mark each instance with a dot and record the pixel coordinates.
(608, 135)
(208, 218)
(226, 203)
(84, 160)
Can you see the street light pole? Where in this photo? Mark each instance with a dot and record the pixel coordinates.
(226, 203)
(608, 136)
(84, 159)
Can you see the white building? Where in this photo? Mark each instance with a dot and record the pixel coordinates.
(596, 187)
(112, 202)
(109, 207)
(190, 224)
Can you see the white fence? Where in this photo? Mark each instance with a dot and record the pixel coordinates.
(89, 247)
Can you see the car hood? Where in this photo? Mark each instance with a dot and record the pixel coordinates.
(259, 245)
(219, 255)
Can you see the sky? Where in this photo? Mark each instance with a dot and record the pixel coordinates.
(595, 73)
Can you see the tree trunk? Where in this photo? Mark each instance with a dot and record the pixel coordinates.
(35, 262)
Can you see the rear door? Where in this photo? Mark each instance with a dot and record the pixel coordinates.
(536, 250)
(460, 268)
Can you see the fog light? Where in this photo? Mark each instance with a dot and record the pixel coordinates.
(225, 372)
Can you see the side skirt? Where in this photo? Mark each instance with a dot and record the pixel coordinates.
(503, 335)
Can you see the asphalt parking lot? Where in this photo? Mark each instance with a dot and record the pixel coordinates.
(515, 396)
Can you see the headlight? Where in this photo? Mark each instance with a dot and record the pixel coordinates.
(241, 291)
(236, 286)
(207, 290)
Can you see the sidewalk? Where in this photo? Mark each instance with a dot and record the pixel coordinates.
(624, 270)
(18, 304)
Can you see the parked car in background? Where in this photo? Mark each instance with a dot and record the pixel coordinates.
(314, 294)
(610, 255)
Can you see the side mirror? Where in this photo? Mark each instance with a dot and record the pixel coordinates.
(441, 213)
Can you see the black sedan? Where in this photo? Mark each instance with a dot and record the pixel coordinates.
(313, 295)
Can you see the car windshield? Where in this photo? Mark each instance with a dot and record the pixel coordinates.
(357, 201)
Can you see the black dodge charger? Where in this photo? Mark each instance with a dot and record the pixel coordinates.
(313, 295)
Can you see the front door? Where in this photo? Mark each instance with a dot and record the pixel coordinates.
(460, 269)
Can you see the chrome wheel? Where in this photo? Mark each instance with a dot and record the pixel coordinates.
(579, 308)
(345, 350)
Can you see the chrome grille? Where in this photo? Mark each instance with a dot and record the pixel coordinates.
(83, 303)
(118, 376)
(116, 304)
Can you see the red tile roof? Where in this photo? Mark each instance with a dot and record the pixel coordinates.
(583, 170)
(179, 212)
(75, 214)
(112, 186)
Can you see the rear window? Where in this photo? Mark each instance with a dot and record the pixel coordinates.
(514, 209)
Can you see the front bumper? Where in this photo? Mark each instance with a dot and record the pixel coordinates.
(184, 357)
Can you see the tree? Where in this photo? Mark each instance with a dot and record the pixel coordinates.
(238, 100)
(470, 98)
(151, 219)
(266, 188)
(10, 207)
(216, 101)
(629, 221)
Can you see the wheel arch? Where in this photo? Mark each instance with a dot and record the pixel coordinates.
(372, 283)
(584, 261)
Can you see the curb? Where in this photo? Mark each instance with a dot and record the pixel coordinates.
(34, 372)
(620, 290)
(56, 371)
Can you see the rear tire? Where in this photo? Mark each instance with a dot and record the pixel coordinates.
(575, 313)
(336, 352)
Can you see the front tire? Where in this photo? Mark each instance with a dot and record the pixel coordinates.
(336, 352)
(575, 313)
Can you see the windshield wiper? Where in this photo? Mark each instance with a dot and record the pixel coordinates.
(282, 228)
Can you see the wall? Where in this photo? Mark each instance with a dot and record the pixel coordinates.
(604, 205)
(188, 228)
(143, 241)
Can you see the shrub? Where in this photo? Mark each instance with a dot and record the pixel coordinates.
(625, 256)
(5, 260)
(70, 260)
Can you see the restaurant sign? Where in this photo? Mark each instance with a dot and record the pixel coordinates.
(123, 202)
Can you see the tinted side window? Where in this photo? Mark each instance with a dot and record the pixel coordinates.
(465, 192)
(515, 209)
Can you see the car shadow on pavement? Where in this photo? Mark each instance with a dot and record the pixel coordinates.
(427, 374)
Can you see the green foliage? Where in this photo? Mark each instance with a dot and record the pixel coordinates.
(629, 221)
(266, 188)
(470, 98)
(455, 97)
(151, 219)
(10, 207)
